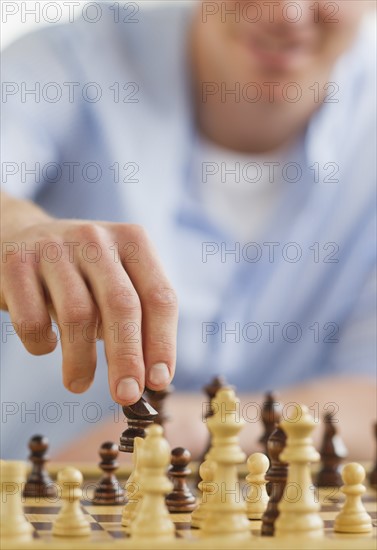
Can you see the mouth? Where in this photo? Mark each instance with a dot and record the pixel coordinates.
(272, 53)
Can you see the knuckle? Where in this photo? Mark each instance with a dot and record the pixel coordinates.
(89, 232)
(126, 357)
(15, 261)
(78, 313)
(137, 232)
(163, 343)
(163, 298)
(123, 300)
(46, 242)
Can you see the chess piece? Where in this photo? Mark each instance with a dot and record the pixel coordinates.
(181, 498)
(257, 497)
(108, 490)
(207, 487)
(353, 517)
(210, 390)
(373, 473)
(157, 399)
(225, 510)
(14, 527)
(139, 416)
(271, 414)
(133, 486)
(39, 484)
(152, 521)
(276, 477)
(332, 452)
(71, 521)
(299, 511)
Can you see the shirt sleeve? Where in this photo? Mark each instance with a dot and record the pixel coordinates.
(37, 112)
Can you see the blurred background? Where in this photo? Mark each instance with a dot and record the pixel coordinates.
(13, 26)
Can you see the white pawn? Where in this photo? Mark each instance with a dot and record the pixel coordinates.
(152, 521)
(71, 521)
(257, 497)
(133, 486)
(13, 525)
(206, 486)
(353, 517)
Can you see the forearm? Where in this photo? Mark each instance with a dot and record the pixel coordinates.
(18, 214)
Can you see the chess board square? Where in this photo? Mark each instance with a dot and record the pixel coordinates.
(118, 534)
(108, 518)
(42, 525)
(183, 526)
(330, 508)
(28, 509)
(96, 527)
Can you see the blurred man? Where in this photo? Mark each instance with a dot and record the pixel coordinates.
(219, 155)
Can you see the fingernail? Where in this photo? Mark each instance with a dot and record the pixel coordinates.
(128, 390)
(159, 374)
(80, 384)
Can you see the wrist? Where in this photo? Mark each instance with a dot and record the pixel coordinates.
(19, 214)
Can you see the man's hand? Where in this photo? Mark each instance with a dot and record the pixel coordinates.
(96, 280)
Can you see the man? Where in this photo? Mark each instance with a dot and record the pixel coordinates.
(228, 143)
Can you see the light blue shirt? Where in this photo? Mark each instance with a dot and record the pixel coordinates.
(296, 305)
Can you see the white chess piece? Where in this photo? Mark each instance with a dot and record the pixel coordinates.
(299, 511)
(206, 486)
(152, 521)
(257, 497)
(225, 515)
(353, 518)
(133, 486)
(13, 525)
(71, 521)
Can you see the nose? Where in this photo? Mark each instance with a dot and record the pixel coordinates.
(284, 14)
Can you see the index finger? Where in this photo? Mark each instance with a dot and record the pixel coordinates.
(120, 310)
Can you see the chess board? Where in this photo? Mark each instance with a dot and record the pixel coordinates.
(107, 531)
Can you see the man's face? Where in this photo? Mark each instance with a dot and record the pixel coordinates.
(282, 37)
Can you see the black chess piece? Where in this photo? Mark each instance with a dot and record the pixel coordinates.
(276, 476)
(332, 452)
(39, 484)
(109, 490)
(373, 473)
(157, 399)
(271, 414)
(139, 416)
(211, 389)
(180, 499)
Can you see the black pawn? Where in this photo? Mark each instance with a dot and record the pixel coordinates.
(180, 499)
(39, 484)
(276, 476)
(109, 490)
(158, 401)
(373, 473)
(139, 416)
(332, 452)
(271, 414)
